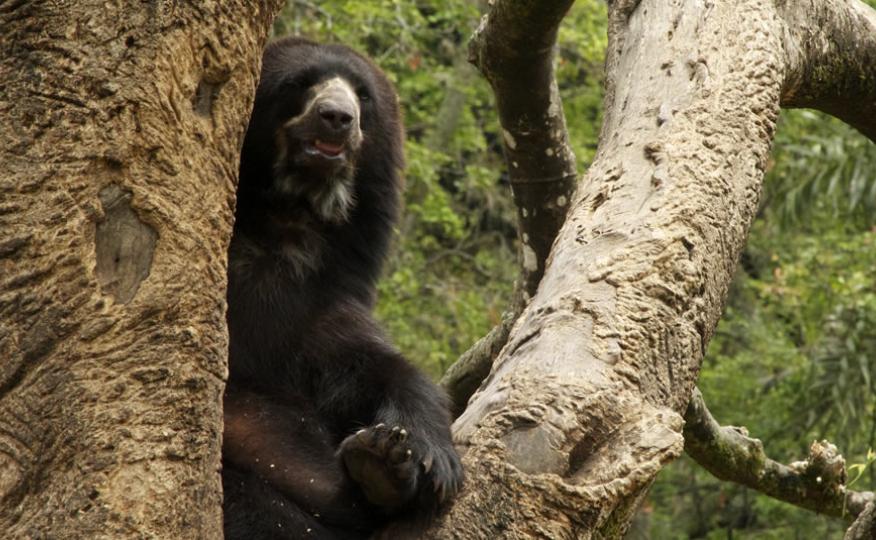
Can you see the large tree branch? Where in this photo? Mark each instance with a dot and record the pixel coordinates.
(817, 484)
(578, 413)
(831, 59)
(517, 60)
(864, 528)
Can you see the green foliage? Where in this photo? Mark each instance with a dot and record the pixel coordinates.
(856, 470)
(821, 165)
(824, 292)
(582, 41)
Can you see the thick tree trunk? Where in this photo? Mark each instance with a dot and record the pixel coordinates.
(122, 123)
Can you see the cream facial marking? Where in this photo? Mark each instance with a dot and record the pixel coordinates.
(334, 90)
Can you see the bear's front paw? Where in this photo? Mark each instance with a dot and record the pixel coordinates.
(382, 462)
(393, 466)
(443, 472)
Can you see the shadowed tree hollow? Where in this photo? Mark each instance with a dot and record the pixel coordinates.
(122, 128)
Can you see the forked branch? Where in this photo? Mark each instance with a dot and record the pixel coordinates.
(517, 59)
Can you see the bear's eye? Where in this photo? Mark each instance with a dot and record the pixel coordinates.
(363, 94)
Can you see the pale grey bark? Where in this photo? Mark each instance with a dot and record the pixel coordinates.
(121, 127)
(583, 406)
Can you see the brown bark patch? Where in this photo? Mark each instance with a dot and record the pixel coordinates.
(124, 246)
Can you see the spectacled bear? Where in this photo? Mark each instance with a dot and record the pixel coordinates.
(329, 432)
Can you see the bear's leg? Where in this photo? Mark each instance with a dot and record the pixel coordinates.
(254, 510)
(284, 444)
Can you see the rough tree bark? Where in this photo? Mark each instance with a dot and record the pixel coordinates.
(582, 406)
(121, 129)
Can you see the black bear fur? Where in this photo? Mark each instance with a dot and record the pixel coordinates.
(329, 431)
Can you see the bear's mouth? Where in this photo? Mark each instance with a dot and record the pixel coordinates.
(327, 149)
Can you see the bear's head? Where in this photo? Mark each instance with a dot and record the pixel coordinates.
(324, 132)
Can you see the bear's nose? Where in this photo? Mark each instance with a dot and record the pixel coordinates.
(335, 116)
